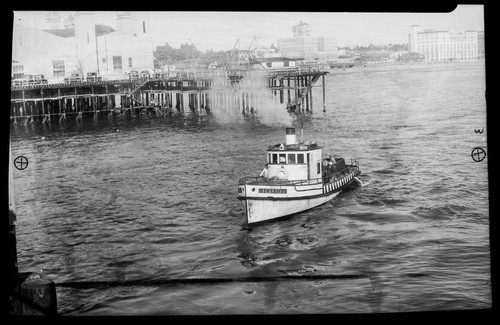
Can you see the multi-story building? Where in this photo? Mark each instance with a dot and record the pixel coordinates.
(301, 29)
(480, 44)
(310, 48)
(443, 45)
(80, 45)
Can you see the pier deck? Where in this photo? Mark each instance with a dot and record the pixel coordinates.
(201, 89)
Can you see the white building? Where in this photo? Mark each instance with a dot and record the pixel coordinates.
(303, 45)
(82, 46)
(267, 53)
(129, 48)
(442, 45)
(275, 63)
(301, 29)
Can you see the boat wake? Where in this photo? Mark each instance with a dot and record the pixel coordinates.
(361, 183)
(236, 211)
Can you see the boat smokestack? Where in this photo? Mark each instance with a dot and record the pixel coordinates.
(290, 136)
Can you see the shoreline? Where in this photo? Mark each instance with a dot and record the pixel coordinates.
(403, 65)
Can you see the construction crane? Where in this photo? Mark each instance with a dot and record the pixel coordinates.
(252, 58)
(235, 67)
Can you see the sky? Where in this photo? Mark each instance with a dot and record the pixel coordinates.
(221, 30)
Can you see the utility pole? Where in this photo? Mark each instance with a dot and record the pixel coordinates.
(96, 54)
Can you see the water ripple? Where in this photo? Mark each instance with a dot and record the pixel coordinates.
(157, 200)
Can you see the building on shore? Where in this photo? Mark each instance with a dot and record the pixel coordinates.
(272, 63)
(80, 45)
(480, 45)
(319, 49)
(267, 53)
(445, 45)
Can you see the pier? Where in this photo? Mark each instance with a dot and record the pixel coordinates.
(196, 90)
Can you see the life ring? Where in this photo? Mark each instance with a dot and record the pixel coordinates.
(282, 173)
(282, 146)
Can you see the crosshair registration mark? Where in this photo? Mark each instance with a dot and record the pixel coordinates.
(478, 154)
(21, 162)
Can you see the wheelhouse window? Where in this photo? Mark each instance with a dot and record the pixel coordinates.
(283, 158)
(318, 168)
(275, 158)
(300, 158)
(291, 158)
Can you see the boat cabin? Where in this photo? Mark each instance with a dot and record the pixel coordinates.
(294, 161)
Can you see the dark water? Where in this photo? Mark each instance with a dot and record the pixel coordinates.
(152, 199)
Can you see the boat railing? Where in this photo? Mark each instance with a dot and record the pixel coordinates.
(249, 179)
(311, 181)
(277, 181)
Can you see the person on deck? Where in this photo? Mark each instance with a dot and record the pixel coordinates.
(331, 169)
(264, 172)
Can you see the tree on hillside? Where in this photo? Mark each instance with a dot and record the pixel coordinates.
(399, 47)
(392, 47)
(212, 56)
(189, 52)
(166, 54)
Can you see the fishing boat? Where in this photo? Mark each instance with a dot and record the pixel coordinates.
(297, 177)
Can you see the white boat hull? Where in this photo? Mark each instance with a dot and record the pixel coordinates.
(267, 201)
(263, 210)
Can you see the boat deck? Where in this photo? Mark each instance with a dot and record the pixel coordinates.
(274, 181)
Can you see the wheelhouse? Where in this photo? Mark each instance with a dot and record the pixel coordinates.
(294, 161)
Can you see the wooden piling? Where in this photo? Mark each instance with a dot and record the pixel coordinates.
(306, 80)
(39, 296)
(43, 104)
(13, 112)
(288, 91)
(281, 91)
(296, 89)
(311, 99)
(24, 103)
(323, 82)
